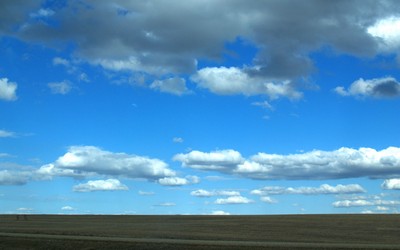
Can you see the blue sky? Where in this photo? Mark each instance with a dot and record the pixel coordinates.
(199, 107)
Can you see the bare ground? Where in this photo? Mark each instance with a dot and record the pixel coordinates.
(201, 232)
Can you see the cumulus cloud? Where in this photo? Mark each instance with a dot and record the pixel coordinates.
(233, 81)
(323, 189)
(8, 90)
(100, 185)
(216, 160)
(205, 193)
(178, 181)
(164, 43)
(387, 32)
(315, 165)
(14, 177)
(378, 87)
(175, 86)
(61, 88)
(233, 200)
(391, 184)
(86, 161)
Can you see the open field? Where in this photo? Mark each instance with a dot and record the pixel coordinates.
(200, 232)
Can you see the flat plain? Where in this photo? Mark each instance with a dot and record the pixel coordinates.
(200, 232)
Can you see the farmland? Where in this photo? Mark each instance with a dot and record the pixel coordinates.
(200, 232)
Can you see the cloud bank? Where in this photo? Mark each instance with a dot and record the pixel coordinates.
(314, 165)
(324, 189)
(164, 45)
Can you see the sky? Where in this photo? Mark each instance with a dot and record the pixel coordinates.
(204, 107)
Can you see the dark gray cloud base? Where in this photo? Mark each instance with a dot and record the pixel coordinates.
(168, 37)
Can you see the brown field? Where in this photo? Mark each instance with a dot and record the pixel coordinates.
(200, 232)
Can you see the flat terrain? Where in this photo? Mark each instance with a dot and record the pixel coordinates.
(200, 232)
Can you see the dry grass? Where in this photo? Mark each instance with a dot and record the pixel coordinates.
(343, 229)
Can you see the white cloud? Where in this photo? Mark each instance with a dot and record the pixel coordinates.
(233, 200)
(5, 133)
(352, 203)
(8, 90)
(264, 104)
(381, 208)
(67, 208)
(61, 61)
(167, 204)
(362, 203)
(62, 88)
(219, 212)
(100, 185)
(391, 184)
(151, 40)
(42, 13)
(145, 193)
(14, 177)
(316, 164)
(268, 199)
(174, 85)
(177, 140)
(216, 160)
(387, 32)
(205, 193)
(173, 181)
(323, 189)
(367, 212)
(378, 87)
(178, 181)
(4, 155)
(25, 209)
(233, 81)
(86, 161)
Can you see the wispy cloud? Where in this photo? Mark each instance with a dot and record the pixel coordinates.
(166, 204)
(5, 133)
(177, 140)
(323, 189)
(61, 88)
(145, 193)
(205, 193)
(364, 203)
